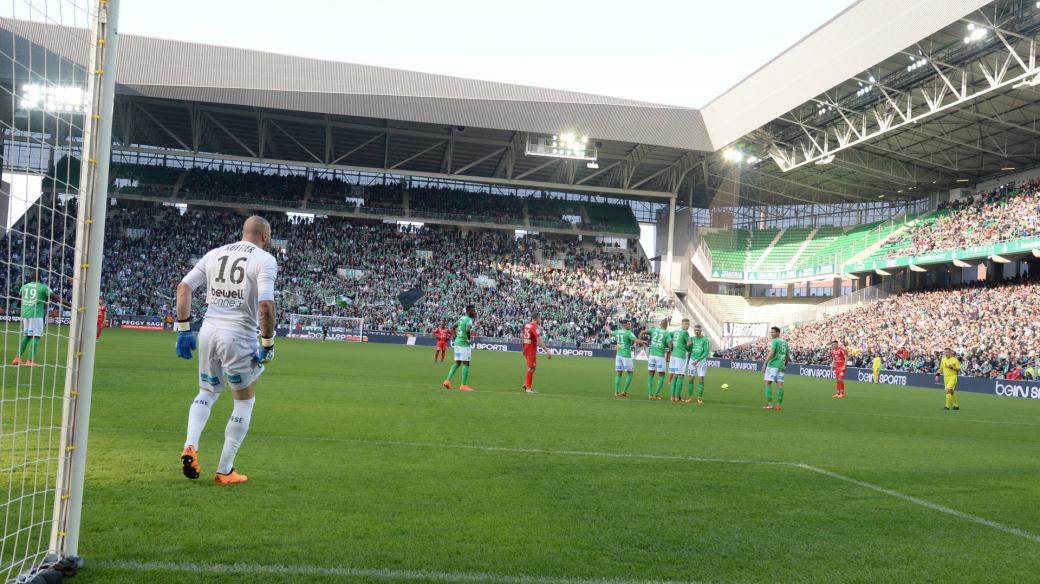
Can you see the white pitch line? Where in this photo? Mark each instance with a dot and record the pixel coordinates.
(353, 572)
(923, 503)
(814, 469)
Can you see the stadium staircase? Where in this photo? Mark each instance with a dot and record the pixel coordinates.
(740, 309)
(801, 249)
(877, 247)
(308, 191)
(178, 184)
(761, 242)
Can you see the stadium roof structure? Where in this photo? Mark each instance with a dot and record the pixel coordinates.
(804, 106)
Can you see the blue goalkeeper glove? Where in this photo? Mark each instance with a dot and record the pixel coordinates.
(185, 340)
(265, 352)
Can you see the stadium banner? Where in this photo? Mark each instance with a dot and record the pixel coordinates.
(998, 387)
(814, 272)
(939, 257)
(50, 319)
(138, 322)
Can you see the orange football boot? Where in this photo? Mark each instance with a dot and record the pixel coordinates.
(777, 407)
(230, 478)
(768, 407)
(190, 462)
(447, 384)
(17, 361)
(465, 388)
(31, 364)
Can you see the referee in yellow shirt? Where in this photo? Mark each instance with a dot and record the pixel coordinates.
(950, 367)
(877, 368)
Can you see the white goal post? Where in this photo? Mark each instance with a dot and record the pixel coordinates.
(321, 327)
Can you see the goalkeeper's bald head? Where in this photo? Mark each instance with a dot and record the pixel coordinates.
(257, 230)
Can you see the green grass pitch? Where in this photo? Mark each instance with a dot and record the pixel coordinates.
(363, 470)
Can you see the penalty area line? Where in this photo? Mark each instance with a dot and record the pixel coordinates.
(637, 456)
(353, 572)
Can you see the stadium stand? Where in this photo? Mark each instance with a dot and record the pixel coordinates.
(992, 326)
(728, 248)
(332, 194)
(1003, 214)
(244, 186)
(616, 218)
(504, 276)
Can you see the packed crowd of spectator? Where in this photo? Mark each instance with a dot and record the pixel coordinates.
(1004, 214)
(465, 204)
(148, 250)
(235, 183)
(993, 327)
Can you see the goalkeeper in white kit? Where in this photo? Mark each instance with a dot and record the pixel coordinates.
(239, 279)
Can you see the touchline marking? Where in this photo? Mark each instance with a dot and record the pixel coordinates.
(352, 572)
(807, 467)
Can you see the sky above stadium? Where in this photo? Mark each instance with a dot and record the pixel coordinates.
(665, 51)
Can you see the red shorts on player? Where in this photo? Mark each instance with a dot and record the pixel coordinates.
(532, 358)
(442, 345)
(839, 374)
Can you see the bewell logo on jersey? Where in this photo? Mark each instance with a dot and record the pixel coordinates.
(237, 294)
(1017, 390)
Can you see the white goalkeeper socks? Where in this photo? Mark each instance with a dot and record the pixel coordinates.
(198, 415)
(234, 433)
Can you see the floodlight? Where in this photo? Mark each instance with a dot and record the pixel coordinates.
(733, 155)
(53, 98)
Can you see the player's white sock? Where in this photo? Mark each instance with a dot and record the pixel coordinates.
(198, 415)
(235, 433)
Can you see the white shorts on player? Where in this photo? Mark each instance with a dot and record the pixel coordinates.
(677, 366)
(624, 364)
(774, 374)
(227, 356)
(655, 363)
(32, 327)
(463, 353)
(697, 368)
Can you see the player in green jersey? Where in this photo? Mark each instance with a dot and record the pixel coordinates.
(625, 340)
(680, 344)
(34, 295)
(776, 361)
(463, 330)
(659, 340)
(698, 367)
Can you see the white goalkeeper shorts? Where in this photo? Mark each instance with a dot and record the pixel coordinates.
(654, 363)
(463, 353)
(32, 327)
(697, 368)
(227, 356)
(774, 374)
(623, 364)
(677, 366)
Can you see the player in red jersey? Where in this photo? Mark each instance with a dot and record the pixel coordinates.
(532, 340)
(102, 317)
(839, 358)
(441, 334)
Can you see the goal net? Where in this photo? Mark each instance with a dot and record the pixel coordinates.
(57, 77)
(332, 328)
